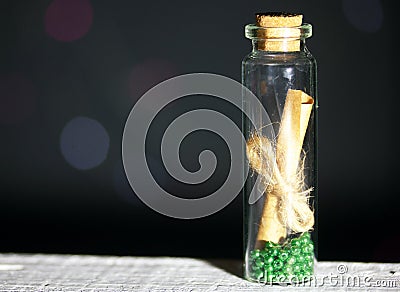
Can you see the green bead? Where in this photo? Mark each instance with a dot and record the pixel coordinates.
(288, 270)
(283, 256)
(301, 276)
(259, 263)
(305, 241)
(295, 251)
(287, 248)
(255, 253)
(309, 259)
(307, 249)
(273, 252)
(258, 274)
(270, 244)
(295, 242)
(308, 272)
(296, 268)
(300, 258)
(269, 269)
(269, 260)
(277, 264)
(264, 254)
(291, 260)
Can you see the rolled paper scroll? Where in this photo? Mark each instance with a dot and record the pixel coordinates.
(286, 205)
(295, 117)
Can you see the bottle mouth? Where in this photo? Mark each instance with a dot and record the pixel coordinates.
(255, 32)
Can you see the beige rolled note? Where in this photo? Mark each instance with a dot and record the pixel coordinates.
(294, 123)
(295, 117)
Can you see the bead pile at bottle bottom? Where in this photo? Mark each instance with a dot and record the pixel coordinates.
(292, 261)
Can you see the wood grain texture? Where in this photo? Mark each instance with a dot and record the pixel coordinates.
(25, 272)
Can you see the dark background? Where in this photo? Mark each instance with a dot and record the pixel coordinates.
(70, 71)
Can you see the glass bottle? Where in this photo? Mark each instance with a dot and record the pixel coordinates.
(281, 188)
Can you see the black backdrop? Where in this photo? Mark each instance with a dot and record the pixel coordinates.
(70, 71)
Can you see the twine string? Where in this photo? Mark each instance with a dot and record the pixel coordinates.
(293, 208)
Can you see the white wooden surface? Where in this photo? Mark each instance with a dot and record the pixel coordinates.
(25, 272)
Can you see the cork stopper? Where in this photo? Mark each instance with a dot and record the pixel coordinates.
(278, 19)
(281, 33)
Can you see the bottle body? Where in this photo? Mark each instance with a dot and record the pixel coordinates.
(281, 188)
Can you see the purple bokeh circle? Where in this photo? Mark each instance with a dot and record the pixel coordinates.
(68, 20)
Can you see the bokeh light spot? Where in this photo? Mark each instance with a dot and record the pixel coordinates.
(364, 15)
(84, 143)
(68, 20)
(17, 98)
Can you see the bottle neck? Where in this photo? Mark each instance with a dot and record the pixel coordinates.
(284, 45)
(278, 39)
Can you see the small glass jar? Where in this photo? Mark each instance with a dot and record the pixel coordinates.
(280, 191)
